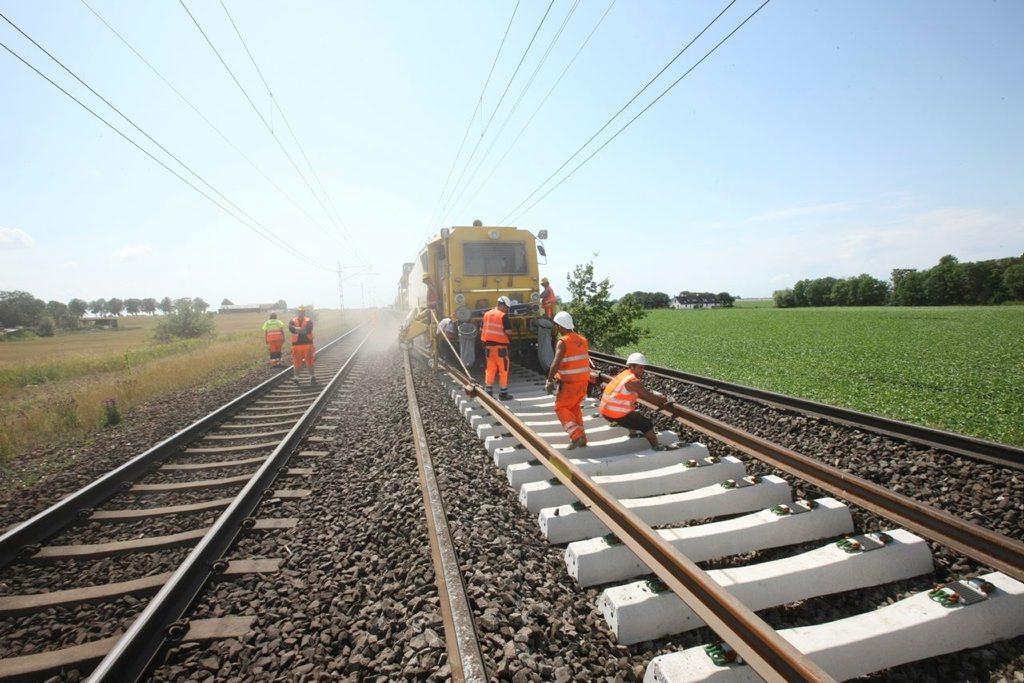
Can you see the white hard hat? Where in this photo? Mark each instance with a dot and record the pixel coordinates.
(565, 320)
(636, 359)
(505, 300)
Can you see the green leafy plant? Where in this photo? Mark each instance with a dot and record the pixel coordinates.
(605, 324)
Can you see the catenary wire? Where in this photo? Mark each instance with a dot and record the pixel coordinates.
(508, 85)
(259, 114)
(273, 239)
(479, 104)
(542, 102)
(202, 116)
(644, 110)
(288, 125)
(515, 105)
(622, 108)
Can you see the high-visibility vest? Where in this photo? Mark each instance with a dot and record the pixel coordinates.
(617, 401)
(575, 365)
(273, 330)
(300, 324)
(547, 296)
(493, 329)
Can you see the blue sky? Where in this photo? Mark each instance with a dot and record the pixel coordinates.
(823, 138)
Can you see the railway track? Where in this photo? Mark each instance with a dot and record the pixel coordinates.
(972, 447)
(605, 502)
(159, 526)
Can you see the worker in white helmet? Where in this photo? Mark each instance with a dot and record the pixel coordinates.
(494, 333)
(571, 367)
(618, 402)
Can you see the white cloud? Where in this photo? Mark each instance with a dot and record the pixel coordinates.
(13, 238)
(802, 209)
(134, 253)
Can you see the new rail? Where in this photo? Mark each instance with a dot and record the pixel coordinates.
(969, 446)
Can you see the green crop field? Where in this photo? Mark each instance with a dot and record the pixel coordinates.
(959, 368)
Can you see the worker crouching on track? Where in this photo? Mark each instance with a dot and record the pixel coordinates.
(618, 402)
(547, 298)
(303, 351)
(273, 332)
(494, 335)
(571, 367)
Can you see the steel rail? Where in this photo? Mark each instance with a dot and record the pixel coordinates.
(48, 522)
(984, 545)
(131, 656)
(960, 444)
(464, 655)
(772, 657)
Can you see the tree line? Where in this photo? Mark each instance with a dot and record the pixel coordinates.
(947, 283)
(23, 310)
(663, 300)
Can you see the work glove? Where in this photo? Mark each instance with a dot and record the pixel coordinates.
(549, 386)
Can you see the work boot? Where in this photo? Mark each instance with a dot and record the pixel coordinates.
(312, 380)
(581, 442)
(489, 390)
(296, 380)
(505, 396)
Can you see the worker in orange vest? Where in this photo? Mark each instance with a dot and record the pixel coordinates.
(572, 369)
(273, 333)
(547, 298)
(431, 293)
(303, 351)
(618, 402)
(494, 335)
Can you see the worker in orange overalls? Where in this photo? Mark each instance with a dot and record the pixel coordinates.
(431, 294)
(303, 351)
(547, 298)
(273, 332)
(618, 402)
(494, 335)
(572, 369)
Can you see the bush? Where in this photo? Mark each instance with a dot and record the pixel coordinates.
(606, 325)
(1013, 281)
(184, 323)
(45, 328)
(784, 298)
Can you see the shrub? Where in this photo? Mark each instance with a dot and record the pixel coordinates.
(111, 414)
(606, 325)
(184, 323)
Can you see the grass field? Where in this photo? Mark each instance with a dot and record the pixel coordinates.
(955, 368)
(53, 389)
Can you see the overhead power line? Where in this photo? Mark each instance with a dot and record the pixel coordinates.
(264, 233)
(288, 125)
(479, 104)
(508, 85)
(638, 115)
(623, 108)
(259, 114)
(202, 116)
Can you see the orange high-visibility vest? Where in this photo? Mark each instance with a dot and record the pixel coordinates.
(547, 297)
(575, 365)
(617, 401)
(300, 324)
(493, 329)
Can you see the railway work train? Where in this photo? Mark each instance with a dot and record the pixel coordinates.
(461, 272)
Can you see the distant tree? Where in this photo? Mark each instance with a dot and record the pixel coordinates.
(133, 306)
(166, 305)
(227, 302)
(650, 299)
(184, 322)
(607, 325)
(149, 305)
(45, 327)
(60, 315)
(725, 299)
(20, 309)
(183, 301)
(784, 298)
(281, 305)
(115, 306)
(98, 306)
(1013, 281)
(907, 287)
(199, 305)
(77, 307)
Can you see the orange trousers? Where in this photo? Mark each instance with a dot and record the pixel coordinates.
(274, 344)
(303, 353)
(569, 407)
(497, 364)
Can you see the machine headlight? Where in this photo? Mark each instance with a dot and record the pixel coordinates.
(463, 313)
(535, 297)
(460, 299)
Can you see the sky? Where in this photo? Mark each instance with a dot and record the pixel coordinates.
(822, 138)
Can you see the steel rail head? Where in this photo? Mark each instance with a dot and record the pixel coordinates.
(48, 522)
(129, 659)
(984, 545)
(768, 654)
(962, 444)
(464, 655)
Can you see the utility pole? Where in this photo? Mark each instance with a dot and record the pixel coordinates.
(341, 289)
